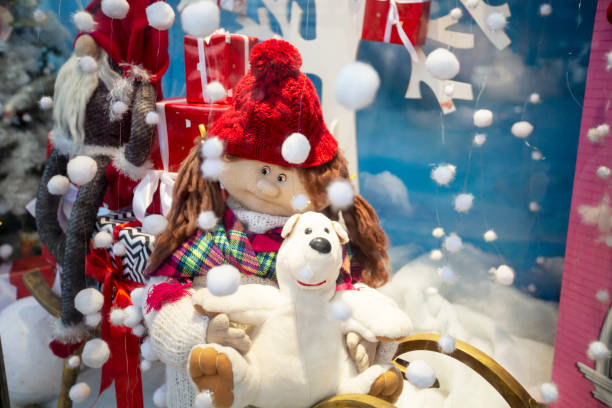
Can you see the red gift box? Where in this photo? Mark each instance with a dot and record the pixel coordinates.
(379, 23)
(178, 127)
(222, 57)
(22, 266)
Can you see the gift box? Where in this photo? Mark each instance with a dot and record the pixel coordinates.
(222, 57)
(43, 263)
(235, 6)
(384, 20)
(126, 230)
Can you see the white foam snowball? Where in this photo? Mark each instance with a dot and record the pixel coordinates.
(207, 220)
(609, 58)
(540, 260)
(117, 316)
(154, 224)
(453, 243)
(139, 330)
(212, 148)
(89, 301)
(74, 362)
(133, 316)
(483, 118)
(81, 170)
(160, 15)
(449, 90)
(603, 172)
(138, 297)
(223, 280)
(536, 155)
(435, 255)
(119, 249)
(95, 353)
(420, 374)
(152, 118)
(492, 270)
(531, 288)
(534, 206)
(115, 8)
(447, 274)
(438, 232)
(159, 397)
(119, 108)
(79, 392)
(522, 129)
(46, 102)
(598, 350)
(200, 19)
(6, 250)
(442, 64)
(447, 344)
(456, 13)
(431, 291)
(444, 174)
(534, 98)
(602, 296)
(203, 400)
(472, 3)
(145, 365)
(299, 202)
(545, 9)
(340, 194)
(603, 130)
(215, 91)
(464, 202)
(295, 148)
(496, 21)
(93, 320)
(549, 392)
(305, 273)
(26, 117)
(490, 236)
(58, 185)
(504, 275)
(84, 21)
(480, 139)
(146, 349)
(356, 85)
(39, 16)
(341, 311)
(212, 168)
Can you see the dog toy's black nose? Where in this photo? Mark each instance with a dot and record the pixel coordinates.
(321, 245)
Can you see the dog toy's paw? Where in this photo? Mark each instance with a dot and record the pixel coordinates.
(220, 332)
(388, 386)
(212, 371)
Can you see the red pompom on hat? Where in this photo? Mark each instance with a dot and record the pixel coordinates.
(272, 102)
(131, 40)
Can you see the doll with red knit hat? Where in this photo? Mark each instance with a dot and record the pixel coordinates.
(266, 158)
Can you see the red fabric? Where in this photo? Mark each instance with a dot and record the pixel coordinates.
(272, 101)
(224, 61)
(131, 40)
(63, 350)
(167, 292)
(24, 265)
(414, 18)
(123, 366)
(119, 191)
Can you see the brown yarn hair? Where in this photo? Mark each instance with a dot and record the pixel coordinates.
(193, 194)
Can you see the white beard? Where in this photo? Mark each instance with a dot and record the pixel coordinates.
(73, 90)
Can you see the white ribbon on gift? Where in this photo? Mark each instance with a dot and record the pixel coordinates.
(394, 20)
(156, 180)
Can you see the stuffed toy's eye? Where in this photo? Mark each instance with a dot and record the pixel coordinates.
(308, 231)
(265, 170)
(326, 230)
(282, 178)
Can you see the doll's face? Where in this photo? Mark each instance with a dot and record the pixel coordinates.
(262, 187)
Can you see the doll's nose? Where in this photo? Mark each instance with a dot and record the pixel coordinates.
(267, 188)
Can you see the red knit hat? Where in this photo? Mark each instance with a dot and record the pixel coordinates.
(274, 105)
(131, 40)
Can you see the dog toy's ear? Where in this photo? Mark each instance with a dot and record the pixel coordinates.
(344, 239)
(289, 225)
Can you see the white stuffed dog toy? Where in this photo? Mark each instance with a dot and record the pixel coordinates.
(298, 356)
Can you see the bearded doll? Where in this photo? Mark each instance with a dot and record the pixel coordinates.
(104, 97)
(266, 158)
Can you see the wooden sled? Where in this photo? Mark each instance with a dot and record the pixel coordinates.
(505, 384)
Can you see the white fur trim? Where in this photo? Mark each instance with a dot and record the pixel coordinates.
(69, 334)
(128, 169)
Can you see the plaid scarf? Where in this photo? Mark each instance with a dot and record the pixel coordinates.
(252, 254)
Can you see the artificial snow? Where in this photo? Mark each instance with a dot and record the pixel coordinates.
(490, 236)
(480, 139)
(223, 280)
(138, 296)
(598, 134)
(119, 249)
(483, 118)
(93, 320)
(504, 275)
(84, 21)
(420, 374)
(453, 243)
(154, 224)
(534, 98)
(602, 296)
(89, 301)
(58, 185)
(159, 397)
(536, 155)
(534, 206)
(160, 15)
(212, 168)
(356, 85)
(39, 16)
(522, 129)
(215, 91)
(95, 353)
(496, 21)
(442, 64)
(464, 202)
(436, 255)
(207, 220)
(46, 102)
(299, 202)
(447, 344)
(79, 392)
(447, 274)
(145, 365)
(119, 108)
(340, 194)
(117, 9)
(295, 149)
(152, 118)
(341, 311)
(456, 13)
(438, 232)
(449, 90)
(598, 351)
(74, 362)
(117, 317)
(549, 392)
(146, 349)
(139, 331)
(203, 400)
(102, 239)
(603, 172)
(132, 316)
(200, 19)
(472, 3)
(444, 174)
(545, 9)
(212, 148)
(81, 170)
